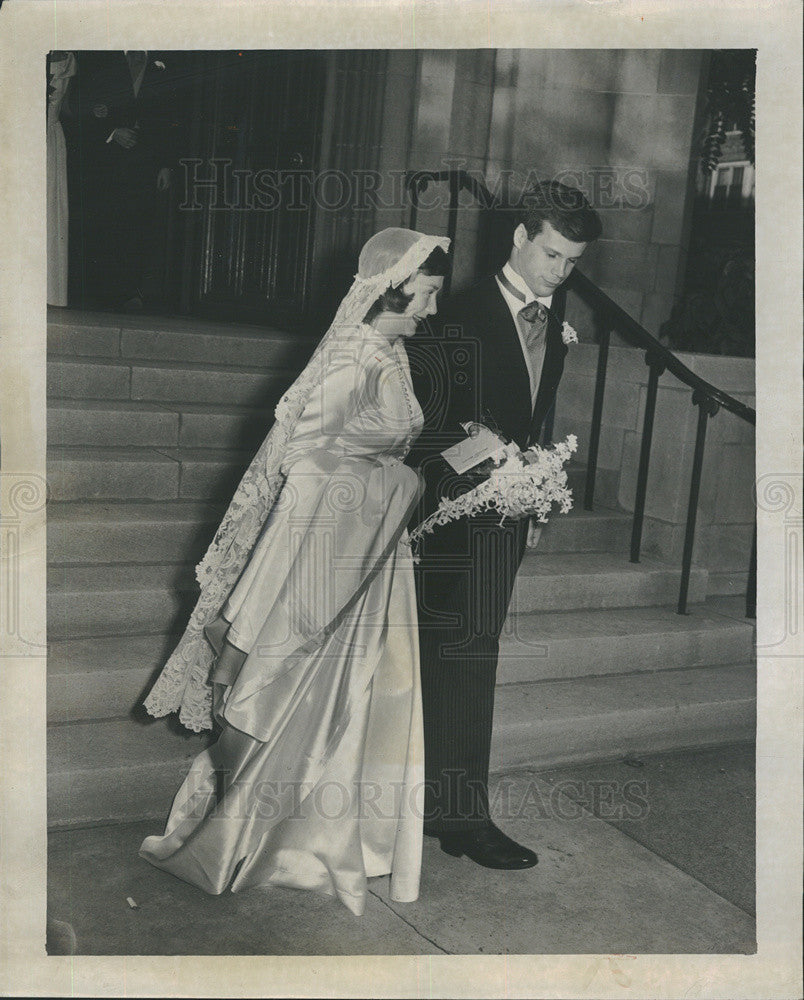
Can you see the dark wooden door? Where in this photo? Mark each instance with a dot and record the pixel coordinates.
(249, 184)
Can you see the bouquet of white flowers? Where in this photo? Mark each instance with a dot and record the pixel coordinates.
(520, 484)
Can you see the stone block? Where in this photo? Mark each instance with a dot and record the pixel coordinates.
(106, 473)
(670, 266)
(610, 446)
(546, 724)
(632, 225)
(734, 500)
(573, 581)
(85, 380)
(116, 770)
(76, 340)
(576, 395)
(656, 309)
(129, 532)
(573, 644)
(220, 429)
(637, 142)
(102, 677)
(74, 614)
(668, 477)
(476, 65)
(583, 69)
(200, 385)
(731, 429)
(638, 71)
(270, 350)
(585, 531)
(680, 71)
(621, 265)
(471, 114)
(669, 206)
(210, 478)
(98, 425)
(554, 127)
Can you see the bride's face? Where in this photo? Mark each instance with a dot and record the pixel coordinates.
(424, 288)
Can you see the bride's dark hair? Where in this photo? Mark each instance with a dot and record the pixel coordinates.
(395, 300)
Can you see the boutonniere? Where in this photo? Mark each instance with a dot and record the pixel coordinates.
(568, 334)
(159, 64)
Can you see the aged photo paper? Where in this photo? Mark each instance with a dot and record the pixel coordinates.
(29, 31)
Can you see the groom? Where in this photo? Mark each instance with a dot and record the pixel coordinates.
(496, 356)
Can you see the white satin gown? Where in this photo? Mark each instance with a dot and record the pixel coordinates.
(316, 781)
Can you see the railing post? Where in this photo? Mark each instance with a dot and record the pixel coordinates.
(706, 408)
(656, 368)
(751, 591)
(413, 187)
(452, 220)
(597, 416)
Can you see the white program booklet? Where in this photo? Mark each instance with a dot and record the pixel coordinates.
(479, 445)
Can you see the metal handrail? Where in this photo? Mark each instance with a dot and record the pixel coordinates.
(707, 397)
(628, 325)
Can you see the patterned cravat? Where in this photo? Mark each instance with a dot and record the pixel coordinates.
(532, 323)
(532, 319)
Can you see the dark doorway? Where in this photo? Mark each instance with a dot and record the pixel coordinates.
(233, 236)
(247, 196)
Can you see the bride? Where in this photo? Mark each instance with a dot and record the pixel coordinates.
(303, 643)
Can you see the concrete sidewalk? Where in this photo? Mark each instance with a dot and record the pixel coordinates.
(668, 870)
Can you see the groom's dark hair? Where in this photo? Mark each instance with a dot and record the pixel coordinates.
(564, 207)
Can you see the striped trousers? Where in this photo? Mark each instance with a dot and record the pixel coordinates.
(463, 592)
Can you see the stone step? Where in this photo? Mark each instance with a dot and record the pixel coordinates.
(119, 769)
(116, 770)
(572, 581)
(103, 677)
(95, 424)
(607, 485)
(551, 723)
(145, 473)
(137, 532)
(104, 335)
(166, 382)
(179, 531)
(565, 644)
(118, 599)
(601, 530)
(99, 678)
(111, 474)
(120, 424)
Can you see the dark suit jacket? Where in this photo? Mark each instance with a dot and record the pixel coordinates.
(472, 368)
(106, 101)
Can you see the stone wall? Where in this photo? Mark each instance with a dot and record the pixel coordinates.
(618, 123)
(726, 505)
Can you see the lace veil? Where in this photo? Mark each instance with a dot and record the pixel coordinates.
(387, 259)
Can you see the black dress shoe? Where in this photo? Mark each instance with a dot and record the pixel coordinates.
(489, 847)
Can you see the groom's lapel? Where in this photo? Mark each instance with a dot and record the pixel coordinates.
(506, 381)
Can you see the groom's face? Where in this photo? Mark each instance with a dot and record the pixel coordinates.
(546, 260)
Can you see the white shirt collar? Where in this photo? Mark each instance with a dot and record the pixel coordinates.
(519, 284)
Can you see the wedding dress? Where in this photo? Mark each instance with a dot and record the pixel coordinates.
(316, 780)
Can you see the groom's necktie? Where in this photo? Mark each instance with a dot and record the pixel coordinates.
(532, 322)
